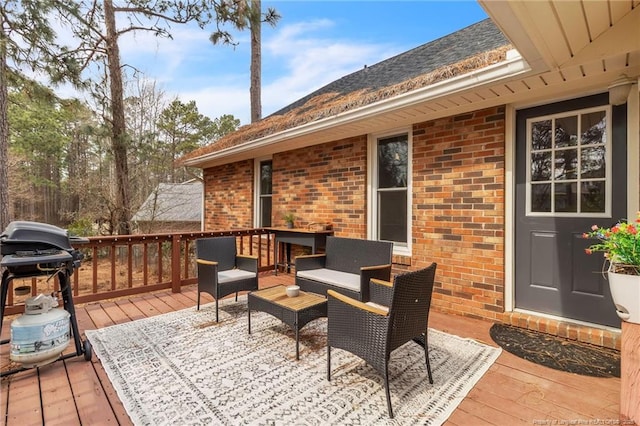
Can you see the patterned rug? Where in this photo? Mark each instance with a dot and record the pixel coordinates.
(183, 368)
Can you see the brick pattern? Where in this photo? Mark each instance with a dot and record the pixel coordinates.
(458, 210)
(608, 338)
(228, 199)
(324, 183)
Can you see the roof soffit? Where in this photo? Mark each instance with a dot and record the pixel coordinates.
(556, 34)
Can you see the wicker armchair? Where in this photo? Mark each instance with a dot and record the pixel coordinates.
(221, 271)
(371, 331)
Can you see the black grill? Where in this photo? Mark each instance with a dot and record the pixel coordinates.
(33, 248)
(30, 249)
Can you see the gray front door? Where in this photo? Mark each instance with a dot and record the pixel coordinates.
(570, 174)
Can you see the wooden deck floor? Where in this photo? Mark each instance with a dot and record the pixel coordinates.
(513, 391)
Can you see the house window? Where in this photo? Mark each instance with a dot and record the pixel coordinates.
(568, 163)
(264, 192)
(390, 195)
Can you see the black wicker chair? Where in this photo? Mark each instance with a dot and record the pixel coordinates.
(371, 331)
(221, 271)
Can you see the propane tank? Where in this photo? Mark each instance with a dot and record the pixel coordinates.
(41, 334)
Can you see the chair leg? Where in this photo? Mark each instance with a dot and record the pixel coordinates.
(216, 309)
(328, 363)
(236, 296)
(198, 300)
(426, 357)
(386, 388)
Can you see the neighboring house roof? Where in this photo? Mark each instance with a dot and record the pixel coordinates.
(473, 47)
(172, 202)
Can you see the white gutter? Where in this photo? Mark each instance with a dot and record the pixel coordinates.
(513, 66)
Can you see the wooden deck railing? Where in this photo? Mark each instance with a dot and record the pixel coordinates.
(123, 265)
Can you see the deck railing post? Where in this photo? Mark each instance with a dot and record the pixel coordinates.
(175, 263)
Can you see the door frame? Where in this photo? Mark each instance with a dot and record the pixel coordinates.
(633, 195)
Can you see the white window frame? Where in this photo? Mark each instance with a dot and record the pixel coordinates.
(372, 187)
(257, 214)
(608, 171)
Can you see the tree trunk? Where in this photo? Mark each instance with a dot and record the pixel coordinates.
(118, 126)
(4, 132)
(256, 61)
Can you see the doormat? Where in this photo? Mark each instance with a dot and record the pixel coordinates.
(557, 352)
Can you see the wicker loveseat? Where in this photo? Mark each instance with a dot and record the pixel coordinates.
(346, 267)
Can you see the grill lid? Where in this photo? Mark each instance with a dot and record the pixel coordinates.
(23, 236)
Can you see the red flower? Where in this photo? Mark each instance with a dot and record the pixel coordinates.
(588, 251)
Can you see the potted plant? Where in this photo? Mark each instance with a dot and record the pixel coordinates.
(289, 217)
(621, 247)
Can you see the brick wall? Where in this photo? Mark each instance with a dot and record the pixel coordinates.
(458, 202)
(458, 210)
(457, 218)
(228, 200)
(324, 183)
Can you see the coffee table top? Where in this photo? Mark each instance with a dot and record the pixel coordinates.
(278, 295)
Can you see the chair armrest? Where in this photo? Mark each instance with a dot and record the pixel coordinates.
(247, 263)
(246, 256)
(310, 261)
(356, 303)
(380, 292)
(367, 273)
(206, 262)
(381, 282)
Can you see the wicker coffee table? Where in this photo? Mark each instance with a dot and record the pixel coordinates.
(296, 312)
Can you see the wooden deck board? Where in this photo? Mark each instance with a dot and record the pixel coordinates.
(91, 402)
(513, 391)
(24, 399)
(58, 405)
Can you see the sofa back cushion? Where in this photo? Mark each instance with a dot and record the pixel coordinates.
(350, 254)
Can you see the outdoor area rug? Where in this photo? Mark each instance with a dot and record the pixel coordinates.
(557, 352)
(183, 368)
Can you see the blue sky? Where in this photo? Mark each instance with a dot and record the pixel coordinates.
(314, 43)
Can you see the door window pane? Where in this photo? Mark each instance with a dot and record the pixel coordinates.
(593, 196)
(566, 131)
(541, 166)
(541, 135)
(568, 162)
(594, 128)
(593, 163)
(541, 197)
(566, 198)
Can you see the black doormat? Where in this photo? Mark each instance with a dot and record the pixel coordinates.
(557, 352)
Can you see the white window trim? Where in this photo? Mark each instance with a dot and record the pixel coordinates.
(256, 188)
(372, 185)
(608, 148)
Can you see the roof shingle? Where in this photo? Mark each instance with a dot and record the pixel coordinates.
(471, 48)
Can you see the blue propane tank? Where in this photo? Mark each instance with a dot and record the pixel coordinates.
(41, 334)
